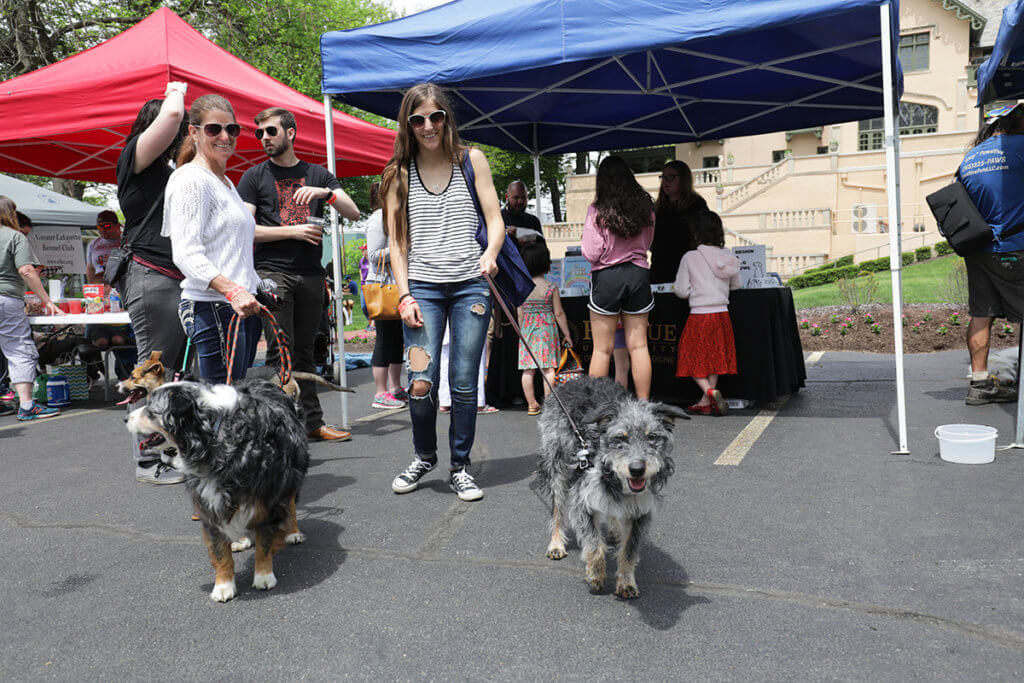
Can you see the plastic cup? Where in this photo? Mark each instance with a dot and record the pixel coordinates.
(74, 306)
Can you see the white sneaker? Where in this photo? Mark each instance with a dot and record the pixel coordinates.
(150, 475)
(465, 488)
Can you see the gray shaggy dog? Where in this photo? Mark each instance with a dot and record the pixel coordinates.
(630, 441)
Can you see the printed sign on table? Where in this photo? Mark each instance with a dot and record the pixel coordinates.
(754, 267)
(58, 247)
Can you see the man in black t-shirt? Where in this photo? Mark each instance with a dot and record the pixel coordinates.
(283, 193)
(515, 216)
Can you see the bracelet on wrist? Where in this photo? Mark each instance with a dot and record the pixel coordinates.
(407, 294)
(329, 199)
(233, 292)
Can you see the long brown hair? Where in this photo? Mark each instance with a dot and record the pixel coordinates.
(200, 108)
(686, 178)
(623, 207)
(406, 148)
(8, 213)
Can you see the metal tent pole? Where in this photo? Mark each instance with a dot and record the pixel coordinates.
(536, 175)
(1018, 431)
(336, 254)
(892, 191)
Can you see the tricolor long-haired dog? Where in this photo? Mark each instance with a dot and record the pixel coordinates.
(630, 443)
(244, 454)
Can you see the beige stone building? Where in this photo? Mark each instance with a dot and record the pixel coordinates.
(817, 194)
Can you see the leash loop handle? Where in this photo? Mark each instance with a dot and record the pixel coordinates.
(286, 357)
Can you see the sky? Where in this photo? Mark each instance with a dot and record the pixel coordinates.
(413, 6)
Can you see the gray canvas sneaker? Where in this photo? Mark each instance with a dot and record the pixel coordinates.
(988, 391)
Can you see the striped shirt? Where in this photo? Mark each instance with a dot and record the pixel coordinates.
(442, 230)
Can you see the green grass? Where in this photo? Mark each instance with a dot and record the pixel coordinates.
(923, 283)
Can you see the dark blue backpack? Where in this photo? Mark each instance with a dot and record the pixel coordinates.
(513, 279)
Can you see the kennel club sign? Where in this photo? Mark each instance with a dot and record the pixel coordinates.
(58, 247)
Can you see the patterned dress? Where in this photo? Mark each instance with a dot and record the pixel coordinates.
(540, 330)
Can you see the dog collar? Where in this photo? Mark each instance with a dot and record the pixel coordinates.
(583, 457)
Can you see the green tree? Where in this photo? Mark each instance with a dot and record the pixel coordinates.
(507, 166)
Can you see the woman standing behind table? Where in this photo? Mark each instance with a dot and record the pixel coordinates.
(616, 236)
(675, 209)
(17, 271)
(212, 235)
(431, 220)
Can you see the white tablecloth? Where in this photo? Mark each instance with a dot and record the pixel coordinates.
(81, 319)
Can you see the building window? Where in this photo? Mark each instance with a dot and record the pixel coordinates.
(710, 162)
(822, 150)
(778, 155)
(914, 52)
(915, 119)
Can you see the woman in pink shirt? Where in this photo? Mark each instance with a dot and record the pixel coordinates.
(616, 236)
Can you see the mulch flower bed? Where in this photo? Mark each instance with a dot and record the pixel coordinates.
(926, 328)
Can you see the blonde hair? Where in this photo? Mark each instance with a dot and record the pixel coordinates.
(8, 213)
(200, 108)
(406, 148)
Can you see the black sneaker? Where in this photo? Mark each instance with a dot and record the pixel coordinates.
(465, 488)
(409, 479)
(988, 391)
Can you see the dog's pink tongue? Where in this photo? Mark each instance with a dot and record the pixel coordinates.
(637, 484)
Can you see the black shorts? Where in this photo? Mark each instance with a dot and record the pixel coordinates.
(622, 288)
(995, 285)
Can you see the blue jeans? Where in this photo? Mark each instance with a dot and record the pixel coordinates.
(468, 305)
(206, 324)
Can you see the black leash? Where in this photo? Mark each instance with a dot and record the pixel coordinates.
(584, 453)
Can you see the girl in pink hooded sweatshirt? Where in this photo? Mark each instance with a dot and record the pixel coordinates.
(707, 348)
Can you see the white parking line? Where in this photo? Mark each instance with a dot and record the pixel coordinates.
(741, 445)
(47, 420)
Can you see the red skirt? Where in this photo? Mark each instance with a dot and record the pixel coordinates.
(707, 346)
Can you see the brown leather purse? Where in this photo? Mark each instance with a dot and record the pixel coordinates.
(381, 299)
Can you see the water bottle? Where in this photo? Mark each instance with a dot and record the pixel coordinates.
(115, 301)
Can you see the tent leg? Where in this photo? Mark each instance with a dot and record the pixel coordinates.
(1018, 431)
(336, 254)
(892, 190)
(536, 186)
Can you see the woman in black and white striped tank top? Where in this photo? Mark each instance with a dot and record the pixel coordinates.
(431, 220)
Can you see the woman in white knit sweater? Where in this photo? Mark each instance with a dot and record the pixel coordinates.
(212, 235)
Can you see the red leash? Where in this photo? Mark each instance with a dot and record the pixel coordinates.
(286, 356)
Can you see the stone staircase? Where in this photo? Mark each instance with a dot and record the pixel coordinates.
(757, 185)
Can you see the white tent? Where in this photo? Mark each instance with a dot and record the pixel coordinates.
(46, 207)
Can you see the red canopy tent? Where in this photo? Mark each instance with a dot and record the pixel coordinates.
(70, 119)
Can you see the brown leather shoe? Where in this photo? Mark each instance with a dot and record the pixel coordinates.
(329, 433)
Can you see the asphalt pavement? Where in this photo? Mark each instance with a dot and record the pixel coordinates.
(817, 554)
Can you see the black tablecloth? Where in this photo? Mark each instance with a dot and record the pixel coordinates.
(768, 352)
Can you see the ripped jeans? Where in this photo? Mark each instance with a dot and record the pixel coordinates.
(467, 305)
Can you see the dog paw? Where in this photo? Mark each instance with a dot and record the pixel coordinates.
(295, 539)
(222, 592)
(627, 591)
(241, 544)
(264, 582)
(556, 553)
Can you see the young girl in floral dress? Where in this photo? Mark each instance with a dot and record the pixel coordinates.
(537, 319)
(707, 348)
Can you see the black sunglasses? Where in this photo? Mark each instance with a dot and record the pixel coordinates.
(212, 130)
(269, 130)
(668, 176)
(419, 120)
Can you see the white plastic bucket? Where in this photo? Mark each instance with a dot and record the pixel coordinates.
(967, 444)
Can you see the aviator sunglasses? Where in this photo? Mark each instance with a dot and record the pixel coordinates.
(212, 130)
(419, 120)
(270, 131)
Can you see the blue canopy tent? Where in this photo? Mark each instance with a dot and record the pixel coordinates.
(553, 76)
(1001, 77)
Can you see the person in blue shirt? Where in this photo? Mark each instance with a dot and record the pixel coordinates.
(993, 174)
